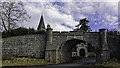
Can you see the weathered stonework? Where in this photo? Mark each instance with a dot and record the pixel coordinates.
(28, 45)
(50, 45)
(56, 47)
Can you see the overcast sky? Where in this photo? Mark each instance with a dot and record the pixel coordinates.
(64, 15)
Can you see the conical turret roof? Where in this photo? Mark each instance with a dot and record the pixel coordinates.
(41, 25)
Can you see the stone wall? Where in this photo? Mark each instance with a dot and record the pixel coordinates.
(35, 45)
(0, 49)
(93, 38)
(114, 43)
(61, 37)
(26, 45)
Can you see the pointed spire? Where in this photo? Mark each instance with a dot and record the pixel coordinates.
(41, 24)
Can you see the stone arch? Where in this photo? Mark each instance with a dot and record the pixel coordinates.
(64, 50)
(76, 41)
(82, 46)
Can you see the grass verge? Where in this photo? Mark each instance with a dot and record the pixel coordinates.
(113, 63)
(22, 61)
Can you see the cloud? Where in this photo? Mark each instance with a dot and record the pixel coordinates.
(54, 17)
(67, 0)
(51, 16)
(100, 14)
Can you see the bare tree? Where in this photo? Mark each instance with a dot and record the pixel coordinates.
(12, 13)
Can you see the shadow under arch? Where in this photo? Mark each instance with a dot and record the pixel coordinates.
(65, 50)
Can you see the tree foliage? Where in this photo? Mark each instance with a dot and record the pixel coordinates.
(83, 25)
(11, 14)
(113, 32)
(20, 31)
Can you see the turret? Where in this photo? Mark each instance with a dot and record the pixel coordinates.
(104, 46)
(49, 34)
(49, 38)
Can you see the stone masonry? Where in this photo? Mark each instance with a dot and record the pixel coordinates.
(55, 46)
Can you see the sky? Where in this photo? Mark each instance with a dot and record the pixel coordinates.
(65, 14)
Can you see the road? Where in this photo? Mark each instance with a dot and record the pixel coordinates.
(88, 62)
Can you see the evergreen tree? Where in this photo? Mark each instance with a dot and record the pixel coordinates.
(83, 25)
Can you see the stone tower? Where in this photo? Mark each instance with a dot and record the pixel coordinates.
(105, 56)
(41, 25)
(49, 34)
(49, 41)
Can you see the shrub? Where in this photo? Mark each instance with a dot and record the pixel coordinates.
(20, 31)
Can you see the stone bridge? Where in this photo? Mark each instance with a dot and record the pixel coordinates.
(59, 44)
(60, 47)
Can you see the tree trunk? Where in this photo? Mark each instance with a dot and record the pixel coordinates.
(3, 24)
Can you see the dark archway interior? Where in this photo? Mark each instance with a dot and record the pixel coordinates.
(82, 52)
(70, 46)
(67, 49)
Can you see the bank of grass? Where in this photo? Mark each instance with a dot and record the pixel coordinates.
(113, 63)
(22, 61)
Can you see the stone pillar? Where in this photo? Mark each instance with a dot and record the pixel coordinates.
(104, 46)
(49, 35)
(49, 38)
(86, 53)
(78, 50)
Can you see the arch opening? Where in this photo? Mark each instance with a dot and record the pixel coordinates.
(82, 52)
(75, 49)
